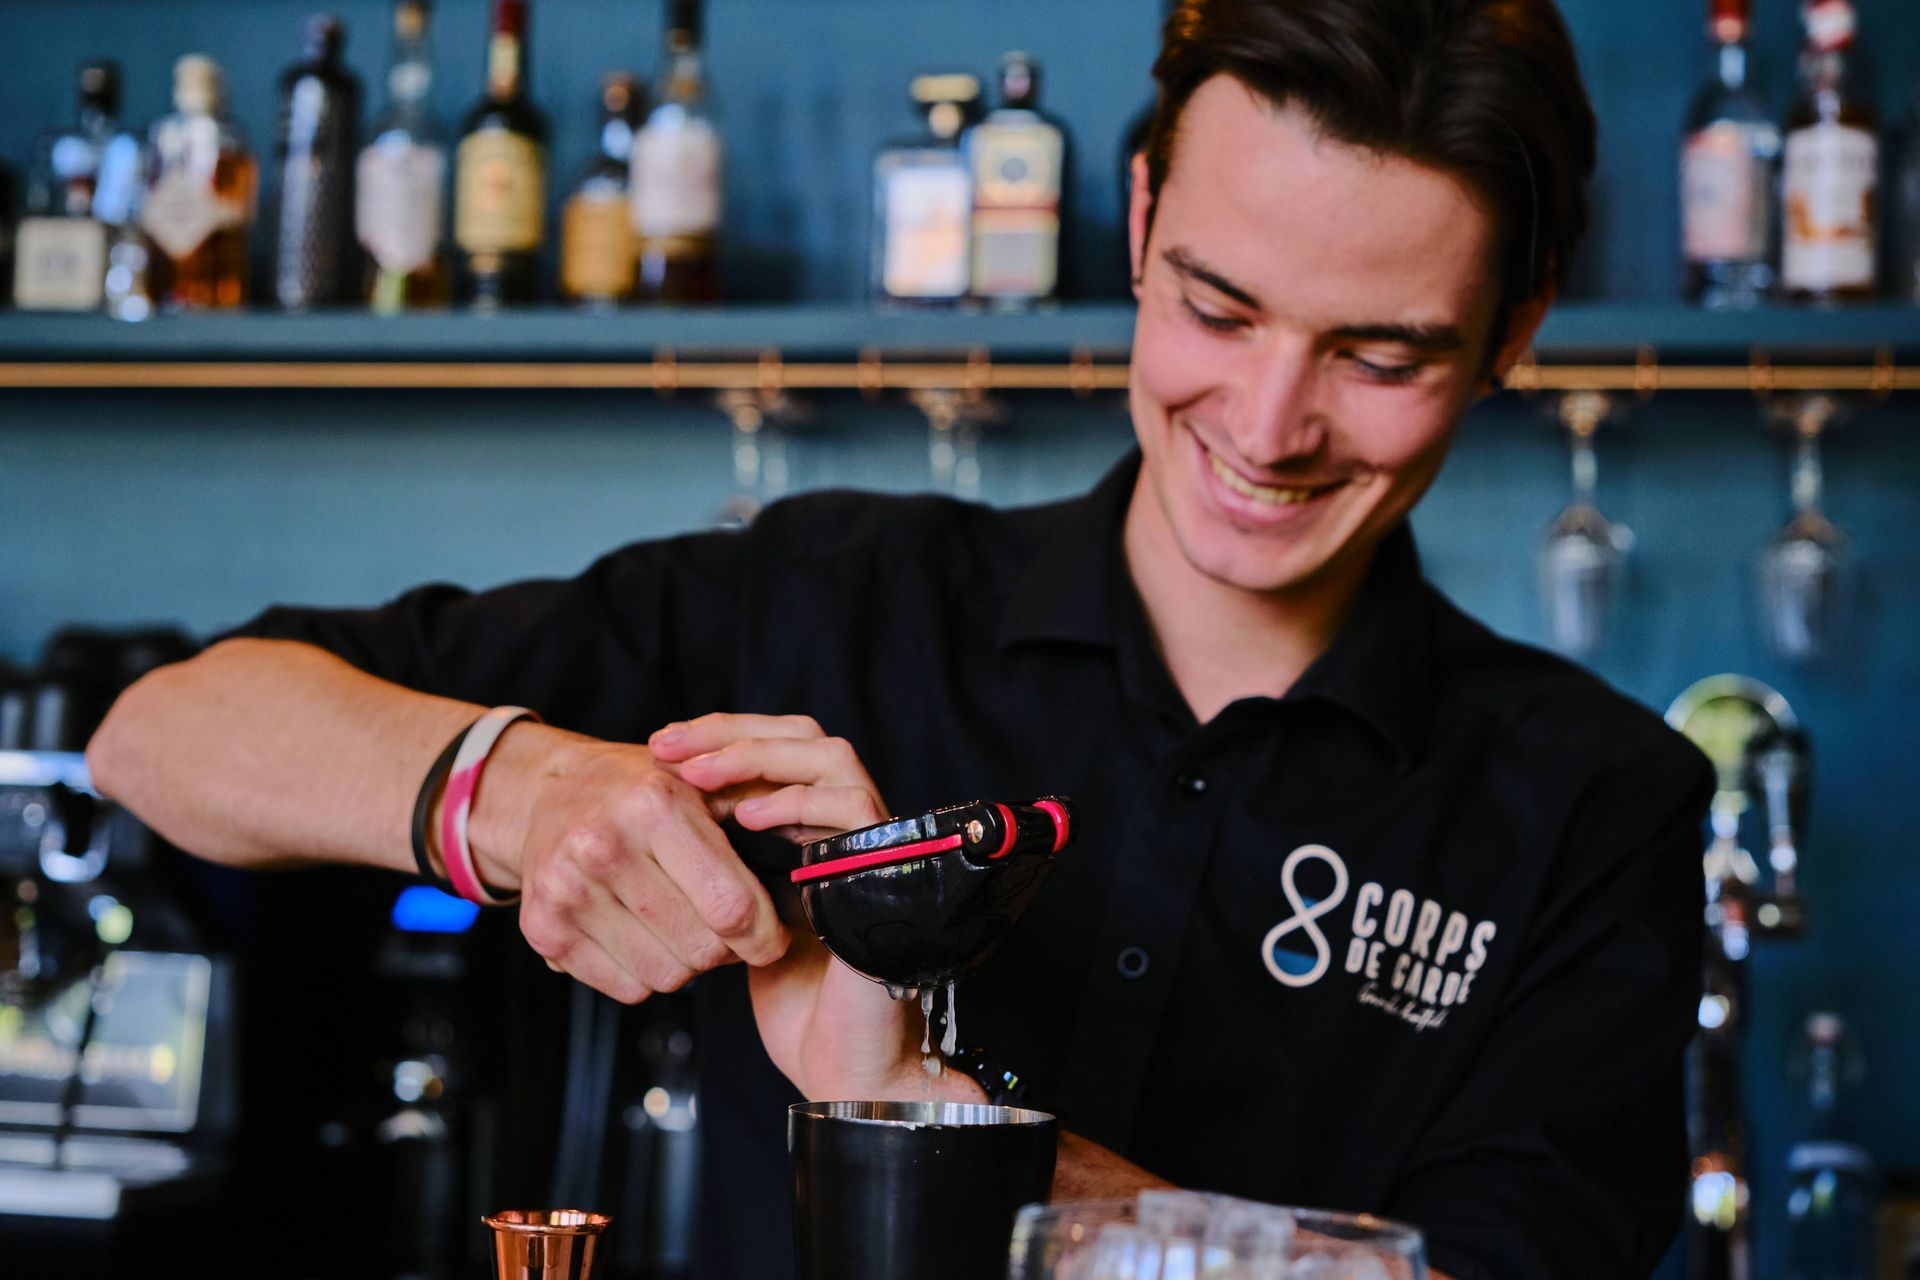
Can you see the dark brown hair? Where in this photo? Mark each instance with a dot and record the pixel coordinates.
(1488, 90)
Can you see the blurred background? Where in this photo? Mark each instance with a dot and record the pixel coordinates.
(278, 441)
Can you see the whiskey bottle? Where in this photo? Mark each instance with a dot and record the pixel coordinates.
(199, 204)
(1829, 250)
(79, 174)
(1018, 160)
(500, 175)
(923, 201)
(596, 231)
(319, 117)
(399, 210)
(676, 175)
(1728, 161)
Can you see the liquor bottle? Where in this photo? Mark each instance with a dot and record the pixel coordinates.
(199, 203)
(398, 181)
(676, 175)
(1829, 249)
(1831, 1178)
(596, 231)
(314, 262)
(61, 249)
(1017, 157)
(923, 200)
(500, 174)
(1727, 166)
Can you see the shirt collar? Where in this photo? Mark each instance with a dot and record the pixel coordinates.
(1378, 666)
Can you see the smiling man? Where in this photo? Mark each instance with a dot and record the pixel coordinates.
(1371, 908)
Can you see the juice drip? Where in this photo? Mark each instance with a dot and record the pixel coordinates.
(950, 1042)
(926, 1015)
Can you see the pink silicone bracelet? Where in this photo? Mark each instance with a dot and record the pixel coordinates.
(457, 804)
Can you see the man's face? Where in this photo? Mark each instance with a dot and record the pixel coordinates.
(1313, 321)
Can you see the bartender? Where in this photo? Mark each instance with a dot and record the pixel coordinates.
(1370, 908)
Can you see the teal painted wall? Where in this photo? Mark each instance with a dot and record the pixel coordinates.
(200, 509)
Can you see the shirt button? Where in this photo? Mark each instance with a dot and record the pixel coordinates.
(1191, 783)
(1132, 963)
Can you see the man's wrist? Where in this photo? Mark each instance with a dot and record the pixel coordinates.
(503, 801)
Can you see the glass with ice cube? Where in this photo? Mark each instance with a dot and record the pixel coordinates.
(1191, 1235)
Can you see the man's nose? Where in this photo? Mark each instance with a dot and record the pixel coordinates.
(1277, 413)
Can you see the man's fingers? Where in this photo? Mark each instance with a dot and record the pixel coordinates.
(587, 961)
(683, 740)
(732, 902)
(815, 761)
(831, 809)
(646, 894)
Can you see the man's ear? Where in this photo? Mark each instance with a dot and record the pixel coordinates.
(1139, 217)
(1523, 322)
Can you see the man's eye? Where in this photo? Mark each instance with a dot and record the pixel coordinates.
(1218, 324)
(1387, 373)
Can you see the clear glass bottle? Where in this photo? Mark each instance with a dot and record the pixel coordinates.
(319, 122)
(923, 201)
(1829, 233)
(500, 175)
(1728, 161)
(676, 182)
(399, 180)
(597, 256)
(202, 183)
(1832, 1183)
(61, 248)
(1018, 159)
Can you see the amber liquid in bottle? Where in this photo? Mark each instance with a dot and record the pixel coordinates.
(199, 205)
(677, 159)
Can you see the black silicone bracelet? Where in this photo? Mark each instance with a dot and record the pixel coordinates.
(423, 809)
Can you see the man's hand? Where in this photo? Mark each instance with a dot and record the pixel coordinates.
(833, 1033)
(626, 881)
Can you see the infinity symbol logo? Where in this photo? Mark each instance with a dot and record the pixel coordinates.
(1303, 917)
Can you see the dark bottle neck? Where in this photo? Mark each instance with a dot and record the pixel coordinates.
(507, 52)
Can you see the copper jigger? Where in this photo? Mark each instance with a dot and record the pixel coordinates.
(544, 1244)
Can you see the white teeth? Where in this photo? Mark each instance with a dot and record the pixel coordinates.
(1258, 492)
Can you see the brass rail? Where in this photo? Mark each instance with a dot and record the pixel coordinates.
(1082, 375)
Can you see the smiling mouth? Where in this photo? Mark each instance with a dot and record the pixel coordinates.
(1272, 495)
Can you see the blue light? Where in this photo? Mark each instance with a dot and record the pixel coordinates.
(421, 908)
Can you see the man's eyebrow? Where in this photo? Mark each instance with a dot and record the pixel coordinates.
(1431, 339)
(1188, 265)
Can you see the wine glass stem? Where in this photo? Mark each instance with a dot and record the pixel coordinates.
(1807, 479)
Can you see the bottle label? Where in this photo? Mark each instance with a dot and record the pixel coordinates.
(596, 247)
(500, 191)
(1016, 165)
(1831, 173)
(61, 264)
(1724, 199)
(676, 176)
(1016, 253)
(181, 211)
(925, 211)
(397, 204)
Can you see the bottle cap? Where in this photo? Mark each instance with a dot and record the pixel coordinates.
(1019, 81)
(100, 86)
(410, 19)
(683, 18)
(1830, 24)
(619, 94)
(1729, 21)
(197, 84)
(326, 35)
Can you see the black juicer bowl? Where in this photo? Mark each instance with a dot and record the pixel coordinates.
(914, 901)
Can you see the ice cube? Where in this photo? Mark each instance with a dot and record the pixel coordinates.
(1245, 1240)
(1122, 1251)
(1356, 1263)
(1173, 1213)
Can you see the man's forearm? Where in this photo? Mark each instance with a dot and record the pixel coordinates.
(266, 752)
(1088, 1171)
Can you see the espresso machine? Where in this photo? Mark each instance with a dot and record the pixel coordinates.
(1763, 767)
(116, 1017)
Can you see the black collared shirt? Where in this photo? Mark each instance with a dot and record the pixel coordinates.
(1421, 937)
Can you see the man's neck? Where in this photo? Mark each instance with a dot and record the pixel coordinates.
(1222, 643)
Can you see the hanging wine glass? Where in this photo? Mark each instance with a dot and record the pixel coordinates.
(1803, 569)
(955, 420)
(1582, 558)
(761, 422)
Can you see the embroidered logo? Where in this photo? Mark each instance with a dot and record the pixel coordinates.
(1416, 959)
